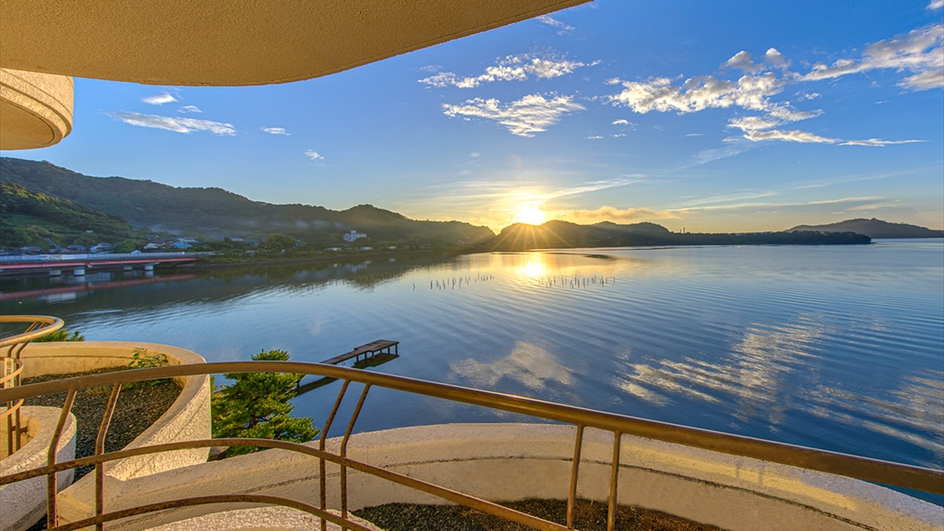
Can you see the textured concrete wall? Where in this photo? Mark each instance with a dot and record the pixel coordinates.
(505, 462)
(35, 109)
(188, 418)
(24, 503)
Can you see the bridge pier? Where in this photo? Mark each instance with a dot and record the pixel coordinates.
(79, 272)
(149, 267)
(55, 272)
(128, 268)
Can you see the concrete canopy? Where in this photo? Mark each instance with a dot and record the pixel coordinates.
(35, 109)
(237, 42)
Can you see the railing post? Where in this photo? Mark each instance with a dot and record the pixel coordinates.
(614, 482)
(100, 450)
(322, 468)
(347, 436)
(52, 484)
(574, 469)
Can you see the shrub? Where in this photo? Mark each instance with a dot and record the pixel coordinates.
(257, 405)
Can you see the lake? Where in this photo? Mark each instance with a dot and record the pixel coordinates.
(834, 347)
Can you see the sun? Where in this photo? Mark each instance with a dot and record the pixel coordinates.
(530, 214)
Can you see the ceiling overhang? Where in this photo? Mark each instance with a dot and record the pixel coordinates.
(237, 42)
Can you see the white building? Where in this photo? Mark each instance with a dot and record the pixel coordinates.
(353, 235)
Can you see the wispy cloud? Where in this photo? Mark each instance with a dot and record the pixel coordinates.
(159, 99)
(313, 155)
(511, 68)
(875, 142)
(595, 137)
(920, 52)
(276, 131)
(177, 125)
(531, 114)
(553, 22)
(608, 213)
(189, 108)
(935, 4)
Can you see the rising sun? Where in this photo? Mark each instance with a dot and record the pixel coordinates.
(530, 214)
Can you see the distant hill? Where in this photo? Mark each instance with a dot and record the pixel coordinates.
(562, 234)
(218, 213)
(29, 216)
(874, 228)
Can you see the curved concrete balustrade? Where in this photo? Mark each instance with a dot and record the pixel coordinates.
(35, 109)
(188, 418)
(507, 462)
(24, 502)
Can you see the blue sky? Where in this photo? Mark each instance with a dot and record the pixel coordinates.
(720, 116)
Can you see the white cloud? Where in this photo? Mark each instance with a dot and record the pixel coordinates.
(531, 114)
(616, 215)
(595, 137)
(621, 122)
(159, 99)
(189, 108)
(935, 4)
(920, 52)
(803, 137)
(511, 68)
(875, 142)
(619, 135)
(553, 22)
(697, 94)
(695, 134)
(313, 155)
(178, 125)
(276, 131)
(775, 59)
(742, 61)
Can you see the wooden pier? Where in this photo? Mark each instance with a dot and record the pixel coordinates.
(381, 346)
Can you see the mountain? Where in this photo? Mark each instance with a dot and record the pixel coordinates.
(218, 213)
(562, 234)
(874, 228)
(29, 216)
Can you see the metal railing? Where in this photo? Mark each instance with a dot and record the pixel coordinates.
(894, 474)
(11, 367)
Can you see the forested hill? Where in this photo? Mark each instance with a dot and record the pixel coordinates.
(29, 217)
(874, 228)
(562, 234)
(218, 213)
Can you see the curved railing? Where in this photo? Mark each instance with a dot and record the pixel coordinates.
(894, 474)
(37, 326)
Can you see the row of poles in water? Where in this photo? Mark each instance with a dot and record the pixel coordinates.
(574, 282)
(456, 282)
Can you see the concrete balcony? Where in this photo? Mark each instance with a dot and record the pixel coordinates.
(35, 109)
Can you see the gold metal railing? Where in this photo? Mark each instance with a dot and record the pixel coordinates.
(11, 367)
(894, 474)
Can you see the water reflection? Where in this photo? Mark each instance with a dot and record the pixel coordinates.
(528, 364)
(753, 374)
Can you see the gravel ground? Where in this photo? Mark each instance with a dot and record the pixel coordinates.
(587, 516)
(137, 409)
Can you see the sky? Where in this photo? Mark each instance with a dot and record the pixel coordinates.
(710, 116)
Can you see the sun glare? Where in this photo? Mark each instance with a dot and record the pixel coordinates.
(531, 215)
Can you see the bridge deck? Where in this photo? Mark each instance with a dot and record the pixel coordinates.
(374, 347)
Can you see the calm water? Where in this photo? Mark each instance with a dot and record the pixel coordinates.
(839, 348)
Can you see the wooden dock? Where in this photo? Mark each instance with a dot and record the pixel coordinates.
(381, 346)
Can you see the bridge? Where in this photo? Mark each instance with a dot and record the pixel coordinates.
(55, 263)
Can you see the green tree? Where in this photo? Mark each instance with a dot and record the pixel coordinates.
(257, 405)
(61, 335)
(278, 241)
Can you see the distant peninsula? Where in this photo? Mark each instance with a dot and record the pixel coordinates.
(563, 234)
(874, 228)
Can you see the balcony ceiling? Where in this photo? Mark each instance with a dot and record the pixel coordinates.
(236, 42)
